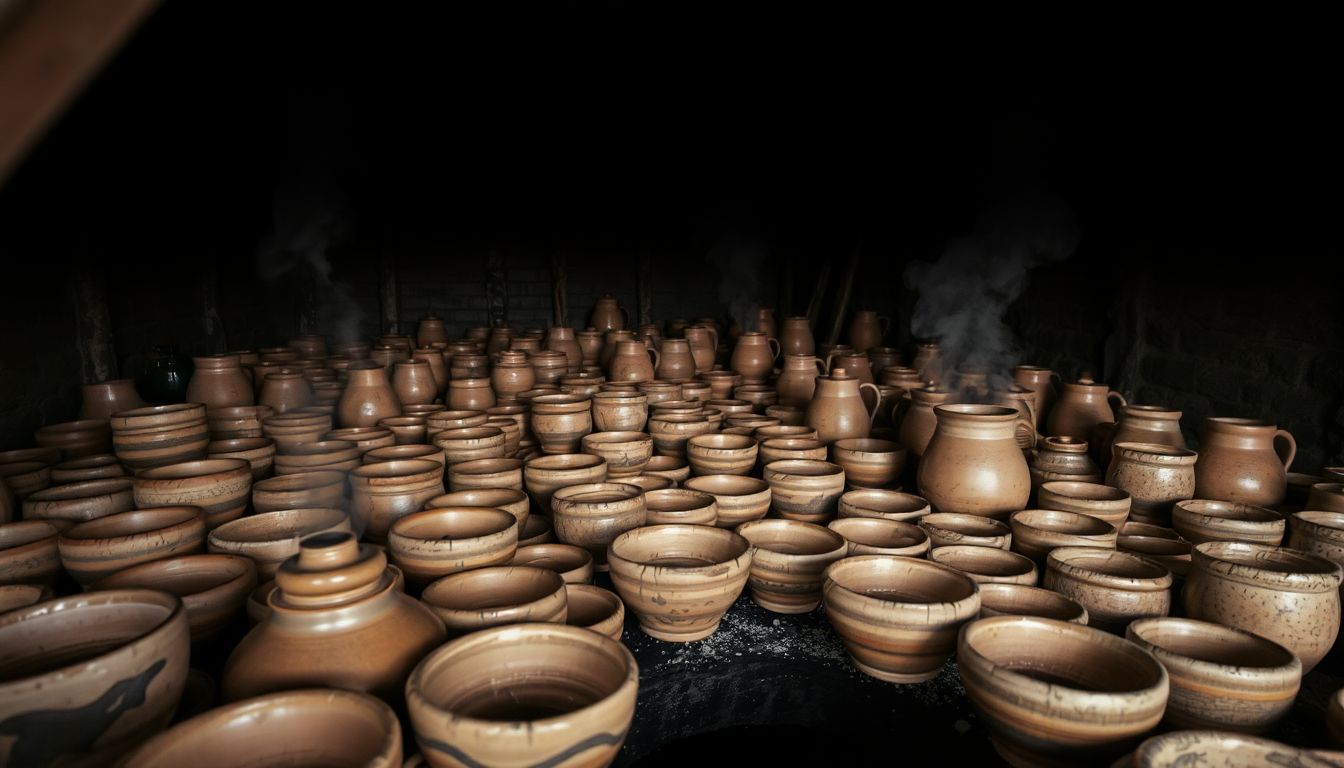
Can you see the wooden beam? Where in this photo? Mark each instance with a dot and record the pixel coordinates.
(50, 50)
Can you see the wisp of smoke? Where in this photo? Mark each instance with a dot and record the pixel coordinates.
(740, 260)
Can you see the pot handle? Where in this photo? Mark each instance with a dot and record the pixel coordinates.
(1025, 435)
(774, 346)
(713, 334)
(820, 365)
(826, 366)
(1286, 437)
(877, 400)
(1117, 396)
(657, 358)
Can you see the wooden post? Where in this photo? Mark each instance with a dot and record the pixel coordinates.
(93, 326)
(389, 306)
(496, 289)
(559, 307)
(644, 288)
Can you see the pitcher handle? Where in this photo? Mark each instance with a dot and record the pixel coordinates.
(657, 358)
(1287, 437)
(1117, 396)
(820, 365)
(877, 400)
(713, 334)
(826, 367)
(774, 346)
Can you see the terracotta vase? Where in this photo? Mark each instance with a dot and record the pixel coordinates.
(1245, 461)
(704, 343)
(795, 337)
(920, 421)
(867, 329)
(218, 381)
(104, 399)
(1062, 458)
(368, 397)
(334, 602)
(608, 314)
(631, 362)
(679, 579)
(1042, 383)
(972, 464)
(590, 342)
(1156, 476)
(511, 375)
(1081, 407)
(798, 380)
(837, 409)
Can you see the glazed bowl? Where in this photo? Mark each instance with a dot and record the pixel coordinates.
(258, 452)
(213, 588)
(876, 536)
(1022, 600)
(98, 548)
(96, 467)
(595, 608)
(739, 499)
(672, 506)
(1100, 501)
(788, 567)
(382, 493)
(987, 565)
(1201, 520)
(431, 544)
(868, 462)
(953, 528)
(473, 600)
(885, 504)
(805, 490)
(1037, 531)
(220, 487)
(1115, 588)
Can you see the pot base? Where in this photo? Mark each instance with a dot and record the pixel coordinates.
(686, 637)
(788, 608)
(894, 677)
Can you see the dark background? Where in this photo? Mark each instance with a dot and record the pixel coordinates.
(1206, 277)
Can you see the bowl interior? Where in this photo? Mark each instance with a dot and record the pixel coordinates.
(589, 605)
(791, 537)
(448, 523)
(1056, 521)
(1020, 599)
(676, 500)
(1212, 643)
(679, 546)
(554, 557)
(67, 631)
(875, 532)
(984, 561)
(281, 525)
(901, 580)
(493, 587)
(1065, 655)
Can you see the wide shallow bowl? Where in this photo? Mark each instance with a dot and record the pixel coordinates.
(886, 504)
(526, 695)
(672, 506)
(1115, 588)
(987, 565)
(739, 499)
(1223, 749)
(953, 528)
(595, 608)
(80, 501)
(1055, 693)
(876, 536)
(1037, 531)
(1100, 501)
(431, 544)
(897, 616)
(574, 564)
(789, 565)
(1201, 520)
(494, 596)
(273, 537)
(679, 579)
(92, 550)
(1022, 600)
(213, 588)
(305, 490)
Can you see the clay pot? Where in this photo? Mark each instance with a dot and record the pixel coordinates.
(29, 553)
(648, 483)
(486, 473)
(739, 499)
(661, 391)
(591, 515)
(674, 468)
(1160, 545)
(500, 337)
(883, 504)
(987, 565)
(469, 444)
(729, 407)
(471, 394)
(795, 337)
(536, 530)
(1141, 424)
(97, 467)
(406, 430)
(837, 411)
(258, 452)
(89, 676)
(789, 561)
(883, 358)
(1220, 748)
(608, 314)
(562, 339)
(1041, 381)
(1282, 594)
(675, 363)
(595, 609)
(445, 420)
(1081, 407)
(1100, 501)
(900, 636)
(774, 431)
(464, 367)
(855, 363)
(611, 340)
(866, 329)
(213, 588)
(1221, 678)
(334, 602)
(160, 434)
(1038, 531)
(716, 454)
(218, 382)
(631, 362)
(78, 502)
(761, 396)
(574, 564)
(545, 475)
(1318, 533)
(430, 331)
(76, 439)
(473, 600)
(102, 400)
(287, 391)
(1326, 496)
(1241, 460)
(220, 487)
(548, 368)
(680, 506)
(875, 536)
(323, 455)
(950, 529)
(704, 342)
(413, 383)
(620, 411)
(805, 490)
(1063, 459)
(679, 579)
(567, 693)
(972, 465)
(382, 493)
(293, 429)
(1022, 600)
(1201, 520)
(1056, 693)
(670, 431)
(431, 544)
(89, 551)
(270, 538)
(919, 423)
(754, 355)
(906, 379)
(301, 491)
(869, 463)
(1156, 476)
(626, 453)
(590, 344)
(721, 383)
(512, 501)
(1114, 587)
(237, 422)
(561, 421)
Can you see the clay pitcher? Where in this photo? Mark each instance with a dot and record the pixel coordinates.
(631, 362)
(837, 409)
(928, 361)
(675, 362)
(368, 396)
(1024, 401)
(1081, 407)
(1040, 381)
(590, 343)
(798, 380)
(754, 355)
(973, 464)
(1244, 461)
(920, 421)
(609, 344)
(1137, 424)
(608, 314)
(765, 322)
(854, 362)
(562, 339)
(704, 342)
(795, 338)
(867, 329)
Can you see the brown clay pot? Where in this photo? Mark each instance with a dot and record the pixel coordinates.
(236, 422)
(220, 487)
(987, 565)
(1155, 476)
(495, 596)
(1201, 520)
(631, 362)
(659, 391)
(76, 439)
(300, 491)
(1038, 531)
(798, 380)
(854, 362)
(258, 452)
(16, 596)
(468, 366)
(678, 579)
(102, 400)
(270, 538)
(675, 363)
(680, 506)
(1041, 381)
(29, 553)
(596, 609)
(573, 563)
(329, 455)
(883, 504)
(486, 473)
(512, 501)
(1161, 545)
(413, 383)
(869, 463)
(292, 429)
(89, 551)
(1186, 747)
(1023, 600)
(382, 493)
(429, 545)
(406, 430)
(875, 536)
(610, 341)
(973, 465)
(626, 453)
(704, 342)
(471, 394)
(805, 490)
(334, 602)
(670, 431)
(673, 468)
(471, 443)
(286, 391)
(718, 454)
(951, 529)
(561, 421)
(591, 515)
(761, 396)
(590, 343)
(536, 530)
(218, 382)
(721, 383)
(1140, 424)
(160, 434)
(1245, 461)
(545, 475)
(1320, 496)
(866, 329)
(445, 420)
(1115, 588)
(77, 502)
(700, 391)
(438, 368)
(754, 355)
(213, 588)
(620, 411)
(795, 337)
(1318, 533)
(562, 339)
(883, 358)
(1100, 501)
(1062, 459)
(1081, 407)
(608, 314)
(789, 562)
(739, 499)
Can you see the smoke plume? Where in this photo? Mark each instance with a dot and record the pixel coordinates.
(741, 261)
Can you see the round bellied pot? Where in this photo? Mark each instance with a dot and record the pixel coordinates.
(486, 473)
(866, 329)
(720, 454)
(574, 564)
(837, 409)
(1201, 520)
(368, 397)
(1318, 533)
(951, 529)
(469, 601)
(754, 355)
(285, 391)
(1140, 424)
(626, 453)
(532, 694)
(433, 543)
(972, 465)
(679, 579)
(1221, 678)
(98, 548)
(562, 339)
(721, 383)
(300, 491)
(561, 421)
(1056, 693)
(805, 490)
(293, 429)
(1082, 405)
(270, 538)
(1115, 588)
(987, 565)
(1220, 747)
(1037, 531)
(29, 552)
(620, 411)
(1155, 476)
(739, 499)
(596, 609)
(160, 434)
(875, 536)
(632, 362)
(218, 381)
(670, 431)
(213, 588)
(1086, 498)
(902, 634)
(77, 502)
(886, 504)
(795, 336)
(383, 492)
(592, 515)
(788, 566)
(1282, 594)
(88, 677)
(1244, 460)
(1022, 600)
(102, 400)
(798, 380)
(334, 601)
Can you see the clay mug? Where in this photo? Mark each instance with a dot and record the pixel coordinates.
(631, 362)
(1081, 407)
(798, 379)
(675, 362)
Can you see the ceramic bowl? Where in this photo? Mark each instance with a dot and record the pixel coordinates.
(98, 548)
(1100, 501)
(431, 544)
(1221, 678)
(674, 468)
(486, 473)
(96, 467)
(483, 442)
(720, 454)
(792, 449)
(25, 477)
(1221, 748)
(1022, 600)
(885, 504)
(574, 564)
(1161, 545)
(536, 530)
(220, 487)
(805, 490)
(953, 528)
(544, 475)
(1318, 533)
(1055, 693)
(313, 726)
(78, 502)
(76, 439)
(1037, 531)
(212, 587)
(788, 567)
(783, 430)
(869, 463)
(875, 536)
(671, 506)
(1201, 520)
(511, 500)
(489, 597)
(29, 553)
(334, 455)
(1115, 588)
(987, 565)
(258, 452)
(897, 616)
(626, 453)
(647, 483)
(404, 452)
(532, 694)
(365, 438)
(739, 499)
(595, 608)
(270, 538)
(591, 515)
(306, 490)
(15, 596)
(87, 677)
(679, 579)
(382, 493)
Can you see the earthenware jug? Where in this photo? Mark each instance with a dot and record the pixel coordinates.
(837, 409)
(856, 363)
(972, 464)
(795, 337)
(590, 344)
(1042, 383)
(1081, 407)
(608, 314)
(562, 339)
(631, 362)
(609, 346)
(1244, 460)
(704, 342)
(916, 428)
(368, 397)
(675, 362)
(798, 379)
(754, 355)
(867, 329)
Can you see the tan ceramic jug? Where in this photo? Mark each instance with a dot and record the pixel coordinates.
(631, 362)
(704, 342)
(795, 338)
(973, 464)
(754, 355)
(867, 329)
(837, 409)
(798, 379)
(916, 427)
(608, 315)
(675, 362)
(856, 363)
(1041, 381)
(1244, 461)
(1081, 407)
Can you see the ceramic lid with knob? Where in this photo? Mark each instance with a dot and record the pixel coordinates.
(331, 569)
